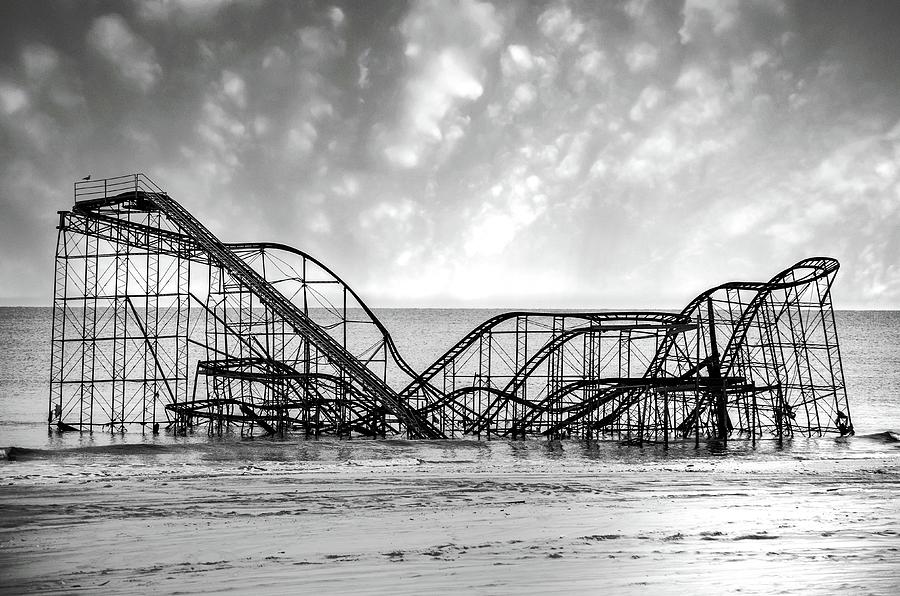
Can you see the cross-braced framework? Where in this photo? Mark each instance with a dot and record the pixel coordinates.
(158, 323)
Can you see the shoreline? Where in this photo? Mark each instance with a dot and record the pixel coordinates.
(109, 524)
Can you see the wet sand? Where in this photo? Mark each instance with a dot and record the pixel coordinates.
(458, 521)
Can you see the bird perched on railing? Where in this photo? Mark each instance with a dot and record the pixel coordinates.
(88, 177)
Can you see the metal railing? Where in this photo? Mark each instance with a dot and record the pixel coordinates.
(104, 188)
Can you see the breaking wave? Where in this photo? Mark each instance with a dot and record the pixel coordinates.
(888, 436)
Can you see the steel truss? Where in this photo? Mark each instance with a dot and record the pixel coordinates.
(156, 322)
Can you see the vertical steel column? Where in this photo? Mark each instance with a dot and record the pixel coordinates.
(716, 378)
(58, 332)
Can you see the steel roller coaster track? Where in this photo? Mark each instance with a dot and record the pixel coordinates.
(159, 324)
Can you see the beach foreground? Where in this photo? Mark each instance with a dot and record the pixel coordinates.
(399, 517)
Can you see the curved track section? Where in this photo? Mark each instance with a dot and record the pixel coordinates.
(331, 303)
(767, 357)
(523, 373)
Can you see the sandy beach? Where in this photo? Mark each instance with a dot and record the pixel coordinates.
(442, 518)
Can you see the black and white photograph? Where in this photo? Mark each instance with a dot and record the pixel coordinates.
(449, 297)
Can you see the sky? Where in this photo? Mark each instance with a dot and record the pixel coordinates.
(461, 153)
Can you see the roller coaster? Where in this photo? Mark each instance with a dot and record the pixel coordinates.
(159, 324)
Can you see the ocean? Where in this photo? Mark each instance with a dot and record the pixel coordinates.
(131, 513)
(870, 348)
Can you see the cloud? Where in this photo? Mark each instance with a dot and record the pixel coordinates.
(133, 58)
(46, 74)
(393, 213)
(318, 223)
(444, 50)
(516, 60)
(26, 126)
(301, 139)
(184, 12)
(320, 43)
(719, 16)
(523, 97)
(559, 24)
(336, 15)
(39, 61)
(508, 209)
(234, 88)
(362, 62)
(710, 22)
(705, 97)
(575, 148)
(648, 100)
(397, 230)
(594, 63)
(632, 152)
(745, 74)
(643, 56)
(446, 79)
(12, 98)
(347, 186)
(491, 234)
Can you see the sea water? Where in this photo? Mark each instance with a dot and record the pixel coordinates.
(869, 340)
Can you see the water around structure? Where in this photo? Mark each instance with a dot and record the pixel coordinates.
(137, 513)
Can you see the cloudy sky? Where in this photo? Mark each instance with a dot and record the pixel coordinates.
(572, 154)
